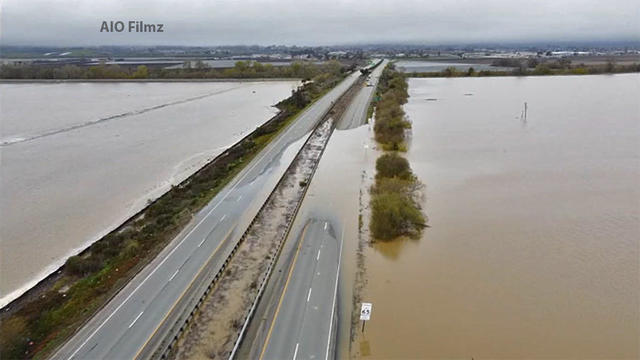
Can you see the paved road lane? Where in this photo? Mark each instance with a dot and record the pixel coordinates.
(302, 325)
(356, 114)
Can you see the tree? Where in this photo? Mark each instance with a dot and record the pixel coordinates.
(611, 65)
(450, 71)
(200, 65)
(142, 72)
(393, 165)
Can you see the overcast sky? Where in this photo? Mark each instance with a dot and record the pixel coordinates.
(299, 22)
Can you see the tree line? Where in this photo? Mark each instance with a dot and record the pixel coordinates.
(395, 209)
(534, 67)
(199, 70)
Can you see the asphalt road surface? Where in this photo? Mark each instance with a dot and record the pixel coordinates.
(297, 316)
(302, 327)
(356, 114)
(137, 315)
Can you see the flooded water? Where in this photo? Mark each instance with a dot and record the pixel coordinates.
(436, 66)
(533, 249)
(79, 158)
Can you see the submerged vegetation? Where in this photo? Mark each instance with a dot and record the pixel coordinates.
(395, 210)
(199, 70)
(48, 314)
(390, 122)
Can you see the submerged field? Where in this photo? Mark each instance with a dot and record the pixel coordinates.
(532, 250)
(79, 158)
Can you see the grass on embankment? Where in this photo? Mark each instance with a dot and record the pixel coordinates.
(395, 210)
(91, 278)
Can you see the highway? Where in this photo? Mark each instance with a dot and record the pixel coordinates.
(302, 326)
(298, 312)
(132, 323)
(356, 114)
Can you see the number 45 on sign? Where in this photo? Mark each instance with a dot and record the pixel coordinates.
(365, 313)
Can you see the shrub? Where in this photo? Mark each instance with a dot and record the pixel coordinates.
(80, 266)
(394, 214)
(390, 123)
(393, 165)
(392, 185)
(12, 336)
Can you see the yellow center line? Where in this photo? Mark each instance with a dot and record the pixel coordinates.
(275, 316)
(224, 240)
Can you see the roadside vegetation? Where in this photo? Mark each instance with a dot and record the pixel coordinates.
(390, 122)
(534, 67)
(395, 210)
(48, 314)
(191, 70)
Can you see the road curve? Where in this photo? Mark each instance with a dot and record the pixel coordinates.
(129, 321)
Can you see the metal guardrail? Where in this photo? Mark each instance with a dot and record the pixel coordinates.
(265, 280)
(274, 259)
(176, 329)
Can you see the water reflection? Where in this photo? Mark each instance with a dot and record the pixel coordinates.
(533, 250)
(392, 250)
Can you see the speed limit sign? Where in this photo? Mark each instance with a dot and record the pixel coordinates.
(365, 311)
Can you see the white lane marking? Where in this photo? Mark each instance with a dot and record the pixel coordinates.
(132, 293)
(295, 353)
(318, 257)
(202, 242)
(223, 217)
(325, 226)
(309, 295)
(136, 319)
(335, 295)
(239, 197)
(174, 275)
(271, 146)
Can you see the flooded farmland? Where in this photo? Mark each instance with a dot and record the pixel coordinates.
(533, 249)
(435, 66)
(79, 158)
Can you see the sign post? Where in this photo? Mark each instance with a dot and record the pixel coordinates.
(365, 313)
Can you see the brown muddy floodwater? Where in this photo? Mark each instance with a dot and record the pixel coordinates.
(533, 249)
(77, 159)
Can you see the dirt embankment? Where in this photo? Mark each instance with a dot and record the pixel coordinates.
(214, 329)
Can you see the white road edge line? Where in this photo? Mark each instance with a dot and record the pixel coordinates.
(295, 353)
(335, 294)
(136, 319)
(174, 275)
(271, 145)
(309, 295)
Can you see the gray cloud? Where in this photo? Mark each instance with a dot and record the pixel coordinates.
(223, 22)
